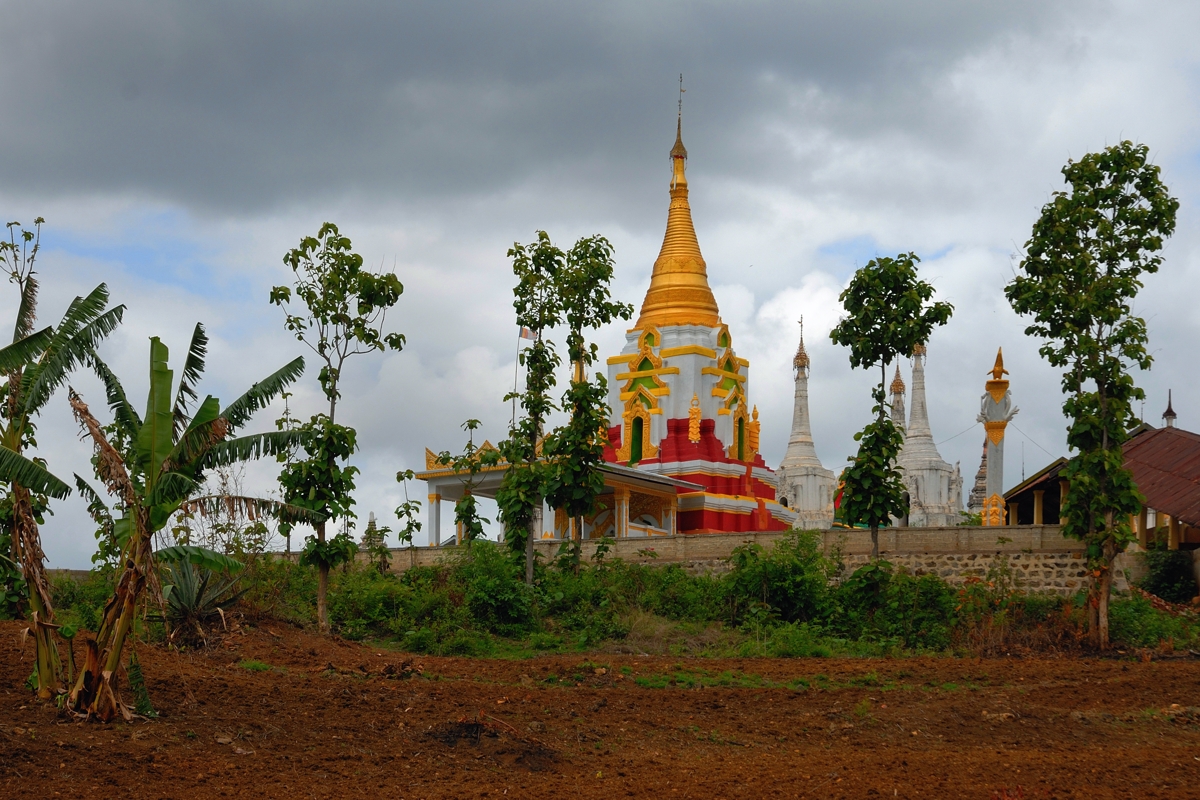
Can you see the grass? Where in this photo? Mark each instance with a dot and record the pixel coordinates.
(254, 665)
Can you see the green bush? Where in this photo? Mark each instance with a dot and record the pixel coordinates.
(880, 603)
(363, 602)
(1134, 622)
(80, 603)
(1170, 576)
(792, 578)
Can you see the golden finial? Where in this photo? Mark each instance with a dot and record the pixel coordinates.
(679, 151)
(998, 370)
(679, 293)
(801, 359)
(919, 350)
(897, 382)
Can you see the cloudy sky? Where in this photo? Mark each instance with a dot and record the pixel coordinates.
(178, 150)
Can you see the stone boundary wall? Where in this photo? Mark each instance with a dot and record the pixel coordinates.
(1040, 558)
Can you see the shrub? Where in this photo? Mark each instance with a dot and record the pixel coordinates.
(1170, 576)
(362, 601)
(792, 578)
(879, 602)
(79, 604)
(1135, 622)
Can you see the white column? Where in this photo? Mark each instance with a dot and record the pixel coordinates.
(434, 519)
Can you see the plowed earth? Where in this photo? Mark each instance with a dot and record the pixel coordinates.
(328, 718)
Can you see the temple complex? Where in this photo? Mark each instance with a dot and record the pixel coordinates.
(805, 486)
(934, 487)
(679, 393)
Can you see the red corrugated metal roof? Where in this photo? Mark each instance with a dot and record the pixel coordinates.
(1166, 468)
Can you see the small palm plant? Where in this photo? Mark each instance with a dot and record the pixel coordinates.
(202, 585)
(172, 449)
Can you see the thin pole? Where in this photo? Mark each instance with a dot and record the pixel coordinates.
(516, 371)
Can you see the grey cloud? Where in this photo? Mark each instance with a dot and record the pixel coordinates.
(235, 106)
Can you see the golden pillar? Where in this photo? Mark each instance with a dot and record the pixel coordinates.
(1039, 503)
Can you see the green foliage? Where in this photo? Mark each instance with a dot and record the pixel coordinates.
(330, 553)
(1170, 575)
(792, 579)
(408, 512)
(200, 557)
(196, 597)
(345, 304)
(888, 314)
(80, 603)
(877, 601)
(1136, 623)
(1082, 270)
(873, 490)
(374, 544)
(13, 592)
(467, 467)
(322, 482)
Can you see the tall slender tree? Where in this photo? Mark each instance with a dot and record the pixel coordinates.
(345, 307)
(576, 450)
(37, 364)
(538, 303)
(888, 314)
(1083, 266)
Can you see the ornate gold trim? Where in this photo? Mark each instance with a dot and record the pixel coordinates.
(694, 416)
(995, 430)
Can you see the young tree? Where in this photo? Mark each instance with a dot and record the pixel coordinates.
(467, 466)
(173, 450)
(539, 307)
(36, 364)
(888, 314)
(345, 308)
(576, 450)
(1083, 266)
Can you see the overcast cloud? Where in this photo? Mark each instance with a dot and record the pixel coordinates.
(178, 150)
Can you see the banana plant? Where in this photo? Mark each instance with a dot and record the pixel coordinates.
(36, 364)
(172, 449)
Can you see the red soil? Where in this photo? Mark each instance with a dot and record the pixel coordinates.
(929, 727)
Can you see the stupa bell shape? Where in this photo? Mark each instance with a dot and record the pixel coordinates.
(679, 293)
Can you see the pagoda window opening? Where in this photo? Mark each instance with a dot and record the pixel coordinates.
(635, 444)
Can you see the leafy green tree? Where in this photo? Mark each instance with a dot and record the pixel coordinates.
(345, 307)
(173, 449)
(888, 314)
(1083, 267)
(37, 364)
(467, 467)
(576, 450)
(539, 307)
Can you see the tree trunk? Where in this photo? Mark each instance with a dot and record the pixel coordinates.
(41, 618)
(534, 525)
(95, 690)
(874, 542)
(1102, 610)
(322, 586)
(578, 542)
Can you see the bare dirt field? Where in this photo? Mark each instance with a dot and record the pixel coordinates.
(271, 711)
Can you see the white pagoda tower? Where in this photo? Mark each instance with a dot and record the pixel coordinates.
(934, 487)
(805, 485)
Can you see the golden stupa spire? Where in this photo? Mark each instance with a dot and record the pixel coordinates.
(679, 293)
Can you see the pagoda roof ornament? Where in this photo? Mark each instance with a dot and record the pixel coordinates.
(1169, 415)
(897, 382)
(801, 359)
(679, 293)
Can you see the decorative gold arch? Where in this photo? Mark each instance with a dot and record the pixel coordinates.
(641, 406)
(738, 412)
